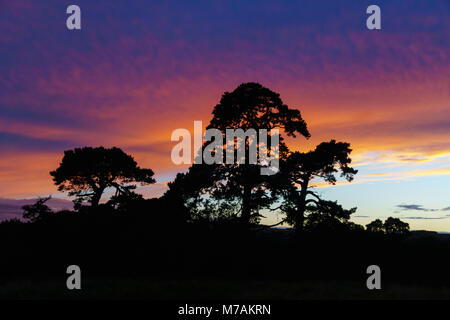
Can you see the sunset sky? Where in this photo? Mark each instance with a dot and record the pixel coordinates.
(137, 70)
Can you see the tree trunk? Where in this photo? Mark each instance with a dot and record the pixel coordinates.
(301, 207)
(96, 197)
(247, 192)
(246, 204)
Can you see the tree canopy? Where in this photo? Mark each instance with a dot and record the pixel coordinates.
(375, 226)
(395, 226)
(301, 168)
(390, 226)
(87, 172)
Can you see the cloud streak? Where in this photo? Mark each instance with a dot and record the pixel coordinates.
(414, 207)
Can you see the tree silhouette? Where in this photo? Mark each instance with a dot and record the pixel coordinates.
(327, 215)
(390, 226)
(300, 168)
(37, 211)
(375, 226)
(186, 192)
(395, 226)
(250, 106)
(87, 172)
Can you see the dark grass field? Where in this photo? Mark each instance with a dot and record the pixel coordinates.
(125, 258)
(213, 289)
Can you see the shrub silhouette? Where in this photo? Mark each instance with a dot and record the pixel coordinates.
(38, 211)
(329, 216)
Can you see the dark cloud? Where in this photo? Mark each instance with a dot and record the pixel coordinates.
(414, 207)
(10, 141)
(418, 207)
(43, 116)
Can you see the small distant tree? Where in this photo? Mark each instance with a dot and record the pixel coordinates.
(390, 226)
(354, 226)
(328, 215)
(38, 211)
(375, 226)
(87, 172)
(395, 226)
(123, 201)
(11, 222)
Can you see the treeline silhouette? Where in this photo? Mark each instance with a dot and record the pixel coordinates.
(207, 224)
